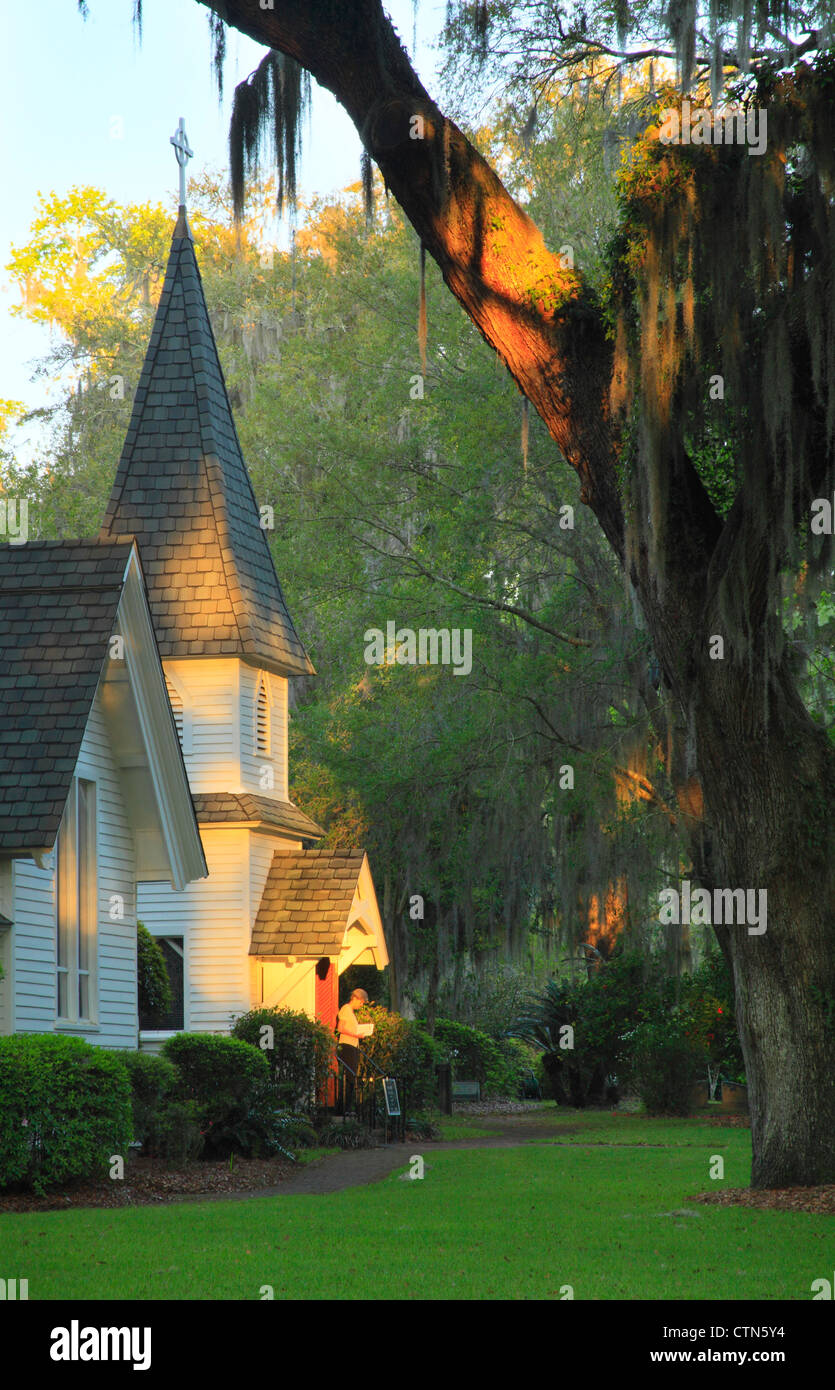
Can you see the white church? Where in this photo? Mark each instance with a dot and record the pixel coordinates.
(143, 739)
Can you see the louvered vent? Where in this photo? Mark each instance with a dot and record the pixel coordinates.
(262, 722)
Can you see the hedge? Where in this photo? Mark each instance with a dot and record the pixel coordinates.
(65, 1107)
(403, 1049)
(299, 1051)
(166, 1125)
(228, 1081)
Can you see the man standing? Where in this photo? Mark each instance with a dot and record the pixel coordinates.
(350, 1031)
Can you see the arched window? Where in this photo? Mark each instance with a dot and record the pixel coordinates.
(175, 700)
(262, 720)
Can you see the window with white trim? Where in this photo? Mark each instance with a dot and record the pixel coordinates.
(77, 905)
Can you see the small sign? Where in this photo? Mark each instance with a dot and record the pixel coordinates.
(391, 1096)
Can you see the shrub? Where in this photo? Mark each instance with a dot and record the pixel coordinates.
(229, 1083)
(520, 1059)
(403, 1049)
(300, 1057)
(154, 985)
(667, 1061)
(421, 1127)
(296, 1132)
(65, 1107)
(476, 1057)
(166, 1126)
(604, 1012)
(350, 1135)
(707, 1003)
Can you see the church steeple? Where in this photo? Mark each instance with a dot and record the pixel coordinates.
(182, 489)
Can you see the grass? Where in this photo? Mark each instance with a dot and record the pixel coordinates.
(483, 1223)
(462, 1127)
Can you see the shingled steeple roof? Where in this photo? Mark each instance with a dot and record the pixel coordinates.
(182, 489)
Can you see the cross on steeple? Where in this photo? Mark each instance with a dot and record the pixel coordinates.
(184, 153)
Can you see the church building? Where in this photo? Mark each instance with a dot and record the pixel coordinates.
(250, 910)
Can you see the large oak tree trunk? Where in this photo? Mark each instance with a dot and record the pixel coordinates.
(765, 773)
(767, 800)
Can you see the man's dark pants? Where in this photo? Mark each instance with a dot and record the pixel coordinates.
(351, 1057)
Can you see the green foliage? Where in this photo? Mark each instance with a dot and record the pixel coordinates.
(420, 1126)
(167, 1126)
(619, 1017)
(489, 999)
(667, 1061)
(228, 1082)
(300, 1057)
(153, 982)
(297, 1132)
(348, 1135)
(477, 1057)
(64, 1109)
(403, 1049)
(603, 1011)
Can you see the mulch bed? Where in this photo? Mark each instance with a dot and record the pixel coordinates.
(819, 1200)
(148, 1182)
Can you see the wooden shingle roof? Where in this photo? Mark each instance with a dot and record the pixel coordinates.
(305, 903)
(183, 490)
(211, 807)
(58, 602)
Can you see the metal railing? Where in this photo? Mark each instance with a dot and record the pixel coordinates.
(367, 1084)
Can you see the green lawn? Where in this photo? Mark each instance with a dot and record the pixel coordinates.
(482, 1224)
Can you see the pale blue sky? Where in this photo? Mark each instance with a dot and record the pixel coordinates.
(66, 83)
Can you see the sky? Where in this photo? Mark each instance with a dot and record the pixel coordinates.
(84, 103)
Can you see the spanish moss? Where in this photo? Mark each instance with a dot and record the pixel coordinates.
(270, 103)
(726, 322)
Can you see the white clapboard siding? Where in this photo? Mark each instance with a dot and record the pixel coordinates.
(252, 761)
(34, 914)
(208, 689)
(213, 917)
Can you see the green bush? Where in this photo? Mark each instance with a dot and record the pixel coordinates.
(300, 1056)
(297, 1132)
(477, 1057)
(520, 1059)
(667, 1061)
(707, 1005)
(603, 1012)
(350, 1135)
(166, 1126)
(228, 1081)
(403, 1049)
(154, 986)
(421, 1127)
(65, 1107)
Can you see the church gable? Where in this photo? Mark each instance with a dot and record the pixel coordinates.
(319, 903)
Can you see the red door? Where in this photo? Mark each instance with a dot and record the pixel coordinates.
(326, 1008)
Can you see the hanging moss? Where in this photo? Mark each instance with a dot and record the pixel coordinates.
(269, 104)
(725, 273)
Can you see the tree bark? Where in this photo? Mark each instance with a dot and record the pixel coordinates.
(757, 800)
